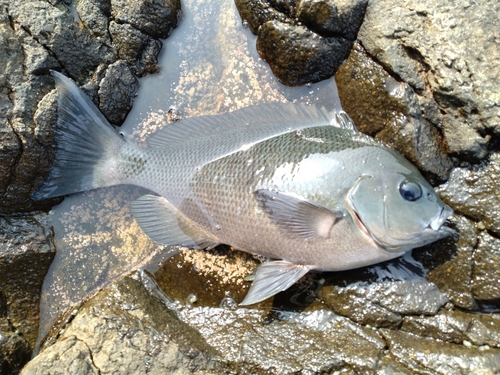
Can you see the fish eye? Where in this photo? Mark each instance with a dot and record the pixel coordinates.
(410, 191)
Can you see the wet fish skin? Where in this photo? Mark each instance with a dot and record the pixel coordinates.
(289, 182)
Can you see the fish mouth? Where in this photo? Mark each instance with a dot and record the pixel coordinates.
(440, 219)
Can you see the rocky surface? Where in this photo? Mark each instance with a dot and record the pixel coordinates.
(77, 39)
(435, 51)
(26, 251)
(303, 41)
(416, 79)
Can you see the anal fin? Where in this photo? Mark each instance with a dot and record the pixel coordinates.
(271, 278)
(166, 225)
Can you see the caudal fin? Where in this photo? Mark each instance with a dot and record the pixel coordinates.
(86, 145)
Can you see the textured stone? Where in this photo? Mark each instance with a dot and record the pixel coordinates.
(456, 326)
(473, 191)
(138, 49)
(303, 41)
(435, 50)
(116, 92)
(155, 18)
(390, 111)
(430, 356)
(26, 251)
(485, 272)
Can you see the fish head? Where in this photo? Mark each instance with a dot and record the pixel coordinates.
(399, 211)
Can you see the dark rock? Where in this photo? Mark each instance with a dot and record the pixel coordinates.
(155, 18)
(116, 92)
(14, 353)
(57, 32)
(303, 41)
(429, 356)
(138, 49)
(297, 55)
(382, 304)
(332, 18)
(456, 326)
(473, 192)
(26, 251)
(449, 263)
(390, 111)
(448, 69)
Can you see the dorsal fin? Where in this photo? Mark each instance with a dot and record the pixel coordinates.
(250, 124)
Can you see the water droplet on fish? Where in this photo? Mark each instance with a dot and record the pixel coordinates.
(217, 227)
(309, 84)
(249, 162)
(244, 24)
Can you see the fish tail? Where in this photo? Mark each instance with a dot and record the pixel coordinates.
(87, 150)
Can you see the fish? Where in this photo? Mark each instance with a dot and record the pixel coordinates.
(294, 183)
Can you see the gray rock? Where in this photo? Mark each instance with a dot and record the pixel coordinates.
(138, 49)
(26, 251)
(303, 41)
(383, 303)
(429, 356)
(116, 92)
(485, 272)
(56, 30)
(155, 18)
(473, 192)
(435, 50)
(449, 263)
(456, 326)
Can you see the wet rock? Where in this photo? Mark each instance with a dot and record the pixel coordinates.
(297, 55)
(456, 326)
(155, 18)
(73, 38)
(472, 191)
(303, 41)
(390, 111)
(56, 30)
(435, 51)
(429, 356)
(449, 263)
(125, 327)
(116, 92)
(26, 251)
(138, 49)
(485, 272)
(14, 352)
(383, 304)
(130, 325)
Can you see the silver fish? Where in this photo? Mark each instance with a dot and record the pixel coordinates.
(290, 182)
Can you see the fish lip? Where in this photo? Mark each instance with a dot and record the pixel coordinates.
(437, 223)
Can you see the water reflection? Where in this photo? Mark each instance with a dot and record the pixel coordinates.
(209, 65)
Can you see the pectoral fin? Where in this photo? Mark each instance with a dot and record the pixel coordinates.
(271, 278)
(298, 216)
(166, 225)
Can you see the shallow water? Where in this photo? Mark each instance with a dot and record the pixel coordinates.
(209, 65)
